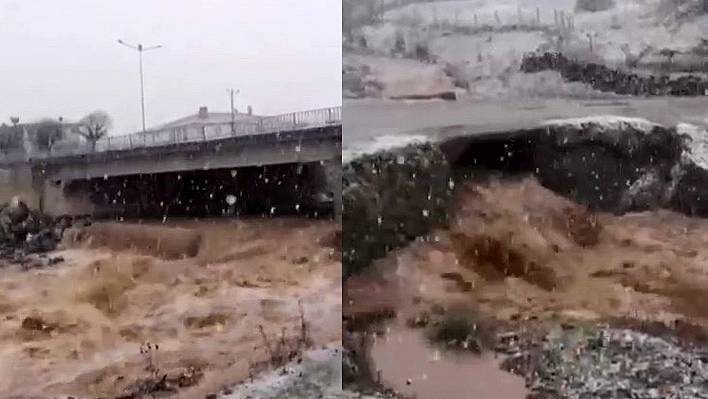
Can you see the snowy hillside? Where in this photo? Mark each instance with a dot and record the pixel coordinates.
(483, 41)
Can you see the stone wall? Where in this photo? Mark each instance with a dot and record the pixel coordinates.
(605, 79)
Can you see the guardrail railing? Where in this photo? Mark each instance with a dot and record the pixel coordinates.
(186, 134)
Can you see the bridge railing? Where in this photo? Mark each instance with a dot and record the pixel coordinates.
(185, 134)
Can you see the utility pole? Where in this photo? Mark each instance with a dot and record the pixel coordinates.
(140, 48)
(232, 93)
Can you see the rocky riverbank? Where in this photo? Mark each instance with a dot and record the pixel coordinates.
(612, 363)
(27, 235)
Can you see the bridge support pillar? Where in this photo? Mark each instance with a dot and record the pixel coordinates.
(21, 181)
(333, 174)
(66, 198)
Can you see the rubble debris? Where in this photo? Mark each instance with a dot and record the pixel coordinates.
(162, 383)
(611, 363)
(26, 235)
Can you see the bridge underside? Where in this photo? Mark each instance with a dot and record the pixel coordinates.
(275, 190)
(270, 177)
(268, 191)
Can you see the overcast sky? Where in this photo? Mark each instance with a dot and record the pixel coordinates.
(62, 58)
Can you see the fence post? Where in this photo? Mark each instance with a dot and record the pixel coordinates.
(519, 16)
(538, 16)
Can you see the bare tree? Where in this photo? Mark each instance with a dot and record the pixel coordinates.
(95, 126)
(669, 54)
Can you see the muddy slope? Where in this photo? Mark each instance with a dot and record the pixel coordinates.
(606, 163)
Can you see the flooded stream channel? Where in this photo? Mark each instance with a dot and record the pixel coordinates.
(411, 366)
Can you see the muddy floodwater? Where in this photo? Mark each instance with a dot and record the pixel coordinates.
(412, 367)
(517, 251)
(187, 300)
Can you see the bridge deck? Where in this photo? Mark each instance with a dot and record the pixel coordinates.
(287, 127)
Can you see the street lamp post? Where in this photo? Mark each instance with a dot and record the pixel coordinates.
(140, 48)
(233, 92)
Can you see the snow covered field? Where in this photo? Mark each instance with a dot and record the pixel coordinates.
(488, 60)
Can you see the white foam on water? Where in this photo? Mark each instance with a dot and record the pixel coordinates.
(381, 143)
(613, 122)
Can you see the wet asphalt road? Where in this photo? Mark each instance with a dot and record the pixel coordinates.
(363, 120)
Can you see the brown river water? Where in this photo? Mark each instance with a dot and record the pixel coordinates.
(199, 291)
(518, 251)
(412, 367)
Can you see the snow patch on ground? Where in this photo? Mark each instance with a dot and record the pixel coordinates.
(319, 375)
(607, 122)
(401, 77)
(500, 50)
(382, 143)
(697, 144)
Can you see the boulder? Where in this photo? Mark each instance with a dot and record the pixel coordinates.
(690, 191)
(609, 163)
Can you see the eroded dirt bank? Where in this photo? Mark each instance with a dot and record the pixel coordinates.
(516, 251)
(608, 163)
(516, 247)
(578, 225)
(125, 321)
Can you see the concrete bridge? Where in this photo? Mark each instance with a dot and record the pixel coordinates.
(61, 180)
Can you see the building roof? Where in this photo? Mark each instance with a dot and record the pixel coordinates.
(209, 118)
